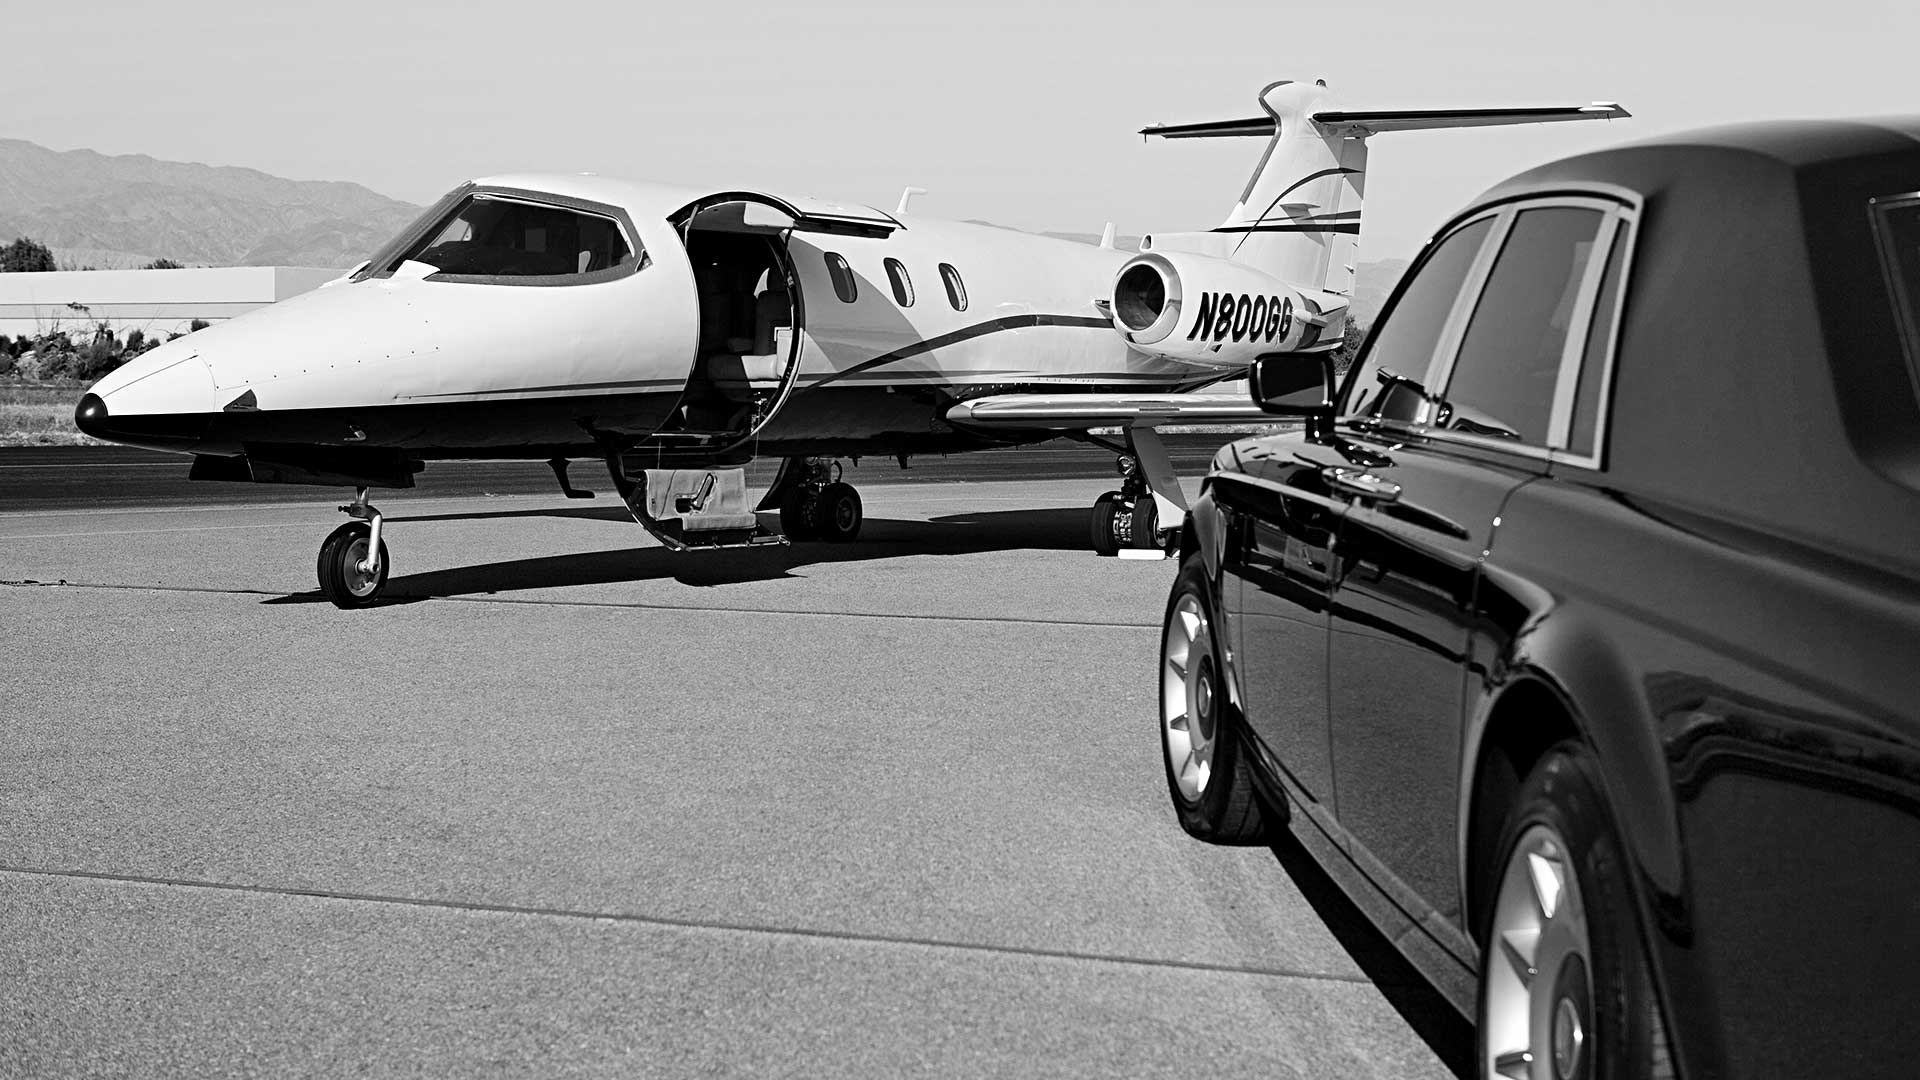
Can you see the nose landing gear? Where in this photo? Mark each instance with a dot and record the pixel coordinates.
(353, 560)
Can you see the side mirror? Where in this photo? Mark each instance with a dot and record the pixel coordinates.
(1293, 384)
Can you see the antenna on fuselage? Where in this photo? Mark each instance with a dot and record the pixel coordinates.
(905, 198)
(1106, 236)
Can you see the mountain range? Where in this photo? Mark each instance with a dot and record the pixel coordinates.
(121, 211)
(115, 212)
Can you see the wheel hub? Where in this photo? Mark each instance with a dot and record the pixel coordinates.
(1188, 697)
(1569, 1036)
(1536, 1010)
(1203, 697)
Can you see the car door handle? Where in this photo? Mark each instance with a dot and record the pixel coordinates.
(1362, 485)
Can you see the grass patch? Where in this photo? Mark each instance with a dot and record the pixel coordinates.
(40, 413)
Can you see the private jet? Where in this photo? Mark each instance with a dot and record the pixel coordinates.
(676, 335)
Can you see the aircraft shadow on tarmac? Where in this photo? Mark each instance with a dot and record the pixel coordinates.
(880, 538)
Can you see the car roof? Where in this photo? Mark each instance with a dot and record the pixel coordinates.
(1760, 373)
(1724, 157)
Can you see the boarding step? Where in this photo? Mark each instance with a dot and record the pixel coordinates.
(695, 507)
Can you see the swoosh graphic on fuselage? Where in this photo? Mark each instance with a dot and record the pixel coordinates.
(1011, 322)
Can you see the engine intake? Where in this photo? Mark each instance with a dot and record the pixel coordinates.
(1205, 310)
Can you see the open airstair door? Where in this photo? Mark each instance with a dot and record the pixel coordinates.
(687, 484)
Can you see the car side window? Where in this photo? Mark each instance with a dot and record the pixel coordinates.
(1389, 384)
(1502, 384)
(1594, 367)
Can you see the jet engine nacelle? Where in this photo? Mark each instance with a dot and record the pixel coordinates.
(1205, 310)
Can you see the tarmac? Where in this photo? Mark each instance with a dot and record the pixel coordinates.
(572, 805)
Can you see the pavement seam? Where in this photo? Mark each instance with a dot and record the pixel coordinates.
(667, 922)
(399, 600)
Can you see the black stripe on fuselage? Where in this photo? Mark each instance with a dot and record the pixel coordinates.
(1294, 227)
(918, 348)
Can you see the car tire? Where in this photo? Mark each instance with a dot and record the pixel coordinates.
(1105, 509)
(1208, 778)
(1564, 979)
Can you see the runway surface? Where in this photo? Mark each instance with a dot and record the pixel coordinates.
(573, 805)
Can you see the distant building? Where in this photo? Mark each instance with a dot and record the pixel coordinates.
(154, 302)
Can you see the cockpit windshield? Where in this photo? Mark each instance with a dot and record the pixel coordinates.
(489, 236)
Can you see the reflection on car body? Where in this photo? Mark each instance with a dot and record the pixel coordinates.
(1577, 634)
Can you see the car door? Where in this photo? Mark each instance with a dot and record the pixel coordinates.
(1281, 562)
(1276, 583)
(1422, 514)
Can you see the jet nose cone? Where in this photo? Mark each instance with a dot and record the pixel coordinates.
(91, 417)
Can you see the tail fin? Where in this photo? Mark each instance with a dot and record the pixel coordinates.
(1299, 217)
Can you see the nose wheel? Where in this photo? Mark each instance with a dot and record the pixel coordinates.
(353, 562)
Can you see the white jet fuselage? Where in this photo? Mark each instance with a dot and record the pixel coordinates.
(888, 324)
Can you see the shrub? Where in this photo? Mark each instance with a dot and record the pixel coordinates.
(25, 256)
(162, 264)
(197, 324)
(137, 341)
(1356, 336)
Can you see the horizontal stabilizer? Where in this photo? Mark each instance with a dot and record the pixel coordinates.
(1076, 412)
(1212, 129)
(1375, 121)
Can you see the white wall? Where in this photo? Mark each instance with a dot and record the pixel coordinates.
(151, 301)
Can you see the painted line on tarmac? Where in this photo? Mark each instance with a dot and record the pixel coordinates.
(153, 532)
(402, 600)
(668, 922)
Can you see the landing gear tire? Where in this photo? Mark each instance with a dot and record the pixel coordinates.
(796, 515)
(1564, 983)
(1105, 509)
(343, 579)
(837, 514)
(1146, 523)
(1207, 773)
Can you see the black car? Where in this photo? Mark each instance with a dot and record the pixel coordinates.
(1577, 635)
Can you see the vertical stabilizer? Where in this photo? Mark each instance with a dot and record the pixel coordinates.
(1299, 217)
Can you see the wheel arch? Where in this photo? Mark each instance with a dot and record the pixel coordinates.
(1563, 678)
(1205, 533)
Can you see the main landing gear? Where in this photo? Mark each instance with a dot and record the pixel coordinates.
(353, 561)
(1141, 519)
(815, 504)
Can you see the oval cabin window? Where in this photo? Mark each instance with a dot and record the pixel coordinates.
(842, 275)
(902, 284)
(956, 290)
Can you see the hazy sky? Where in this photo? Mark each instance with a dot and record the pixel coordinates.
(1018, 113)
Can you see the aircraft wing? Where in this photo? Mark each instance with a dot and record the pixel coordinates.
(1077, 412)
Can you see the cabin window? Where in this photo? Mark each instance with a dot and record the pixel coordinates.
(902, 284)
(494, 237)
(956, 289)
(842, 274)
